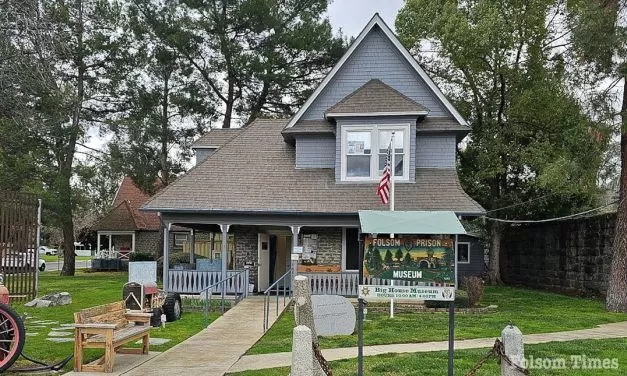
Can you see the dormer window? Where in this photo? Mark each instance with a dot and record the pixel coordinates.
(360, 162)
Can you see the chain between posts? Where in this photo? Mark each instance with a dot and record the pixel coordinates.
(497, 352)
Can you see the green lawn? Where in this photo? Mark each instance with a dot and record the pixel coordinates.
(532, 311)
(51, 258)
(435, 363)
(88, 290)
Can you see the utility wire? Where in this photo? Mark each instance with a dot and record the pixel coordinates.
(521, 203)
(550, 219)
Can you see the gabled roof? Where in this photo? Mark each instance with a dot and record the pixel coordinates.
(375, 98)
(378, 21)
(258, 175)
(439, 124)
(215, 138)
(125, 214)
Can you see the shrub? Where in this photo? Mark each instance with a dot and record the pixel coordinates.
(461, 301)
(475, 288)
(141, 256)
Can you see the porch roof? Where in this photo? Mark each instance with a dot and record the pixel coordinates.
(410, 222)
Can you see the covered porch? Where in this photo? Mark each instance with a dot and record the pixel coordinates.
(262, 245)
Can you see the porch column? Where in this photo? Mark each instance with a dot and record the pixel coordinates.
(294, 264)
(225, 248)
(133, 242)
(192, 246)
(166, 256)
(97, 254)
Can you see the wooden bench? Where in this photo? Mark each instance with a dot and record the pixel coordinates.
(108, 327)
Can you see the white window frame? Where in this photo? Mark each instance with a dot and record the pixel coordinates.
(174, 235)
(374, 130)
(459, 249)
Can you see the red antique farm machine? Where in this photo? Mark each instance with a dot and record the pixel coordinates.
(12, 331)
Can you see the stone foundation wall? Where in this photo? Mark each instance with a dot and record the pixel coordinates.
(571, 257)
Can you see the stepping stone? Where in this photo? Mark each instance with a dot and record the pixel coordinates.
(60, 340)
(156, 341)
(36, 326)
(67, 325)
(61, 329)
(60, 334)
(31, 334)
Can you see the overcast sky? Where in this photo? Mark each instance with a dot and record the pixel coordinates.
(352, 15)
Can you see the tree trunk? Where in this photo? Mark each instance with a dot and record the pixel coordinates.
(616, 300)
(65, 168)
(494, 265)
(230, 99)
(165, 171)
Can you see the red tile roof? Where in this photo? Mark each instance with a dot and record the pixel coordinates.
(125, 214)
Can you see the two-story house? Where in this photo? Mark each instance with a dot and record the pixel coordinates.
(301, 181)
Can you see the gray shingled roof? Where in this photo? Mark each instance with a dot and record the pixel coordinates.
(216, 137)
(436, 124)
(256, 173)
(310, 126)
(376, 97)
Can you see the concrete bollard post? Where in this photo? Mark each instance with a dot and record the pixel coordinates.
(302, 352)
(303, 310)
(514, 347)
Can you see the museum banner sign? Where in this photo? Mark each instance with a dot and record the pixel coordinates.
(428, 261)
(370, 292)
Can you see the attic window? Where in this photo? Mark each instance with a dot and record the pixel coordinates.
(361, 163)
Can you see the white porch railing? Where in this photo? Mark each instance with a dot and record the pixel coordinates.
(193, 281)
(344, 283)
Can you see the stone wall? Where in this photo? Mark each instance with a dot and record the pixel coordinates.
(571, 257)
(246, 249)
(148, 241)
(329, 244)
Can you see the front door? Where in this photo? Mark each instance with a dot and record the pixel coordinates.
(263, 262)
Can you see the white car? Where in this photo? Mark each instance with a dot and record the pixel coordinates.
(43, 250)
(21, 260)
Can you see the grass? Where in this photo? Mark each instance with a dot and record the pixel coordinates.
(435, 363)
(52, 258)
(532, 311)
(88, 290)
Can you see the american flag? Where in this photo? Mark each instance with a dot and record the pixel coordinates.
(383, 191)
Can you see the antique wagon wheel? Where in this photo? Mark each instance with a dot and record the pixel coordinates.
(11, 337)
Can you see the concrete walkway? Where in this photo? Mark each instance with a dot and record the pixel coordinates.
(214, 350)
(284, 359)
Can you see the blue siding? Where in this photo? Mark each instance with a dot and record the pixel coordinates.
(477, 261)
(376, 121)
(202, 154)
(315, 151)
(376, 57)
(435, 151)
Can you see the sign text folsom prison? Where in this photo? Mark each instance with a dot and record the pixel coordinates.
(431, 261)
(407, 292)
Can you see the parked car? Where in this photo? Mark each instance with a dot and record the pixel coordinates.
(43, 250)
(26, 259)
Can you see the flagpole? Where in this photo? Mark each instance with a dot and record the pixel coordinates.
(392, 168)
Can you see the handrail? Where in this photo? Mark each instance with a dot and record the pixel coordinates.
(208, 291)
(266, 297)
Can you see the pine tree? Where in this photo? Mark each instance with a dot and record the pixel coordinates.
(389, 260)
(398, 255)
(252, 57)
(407, 261)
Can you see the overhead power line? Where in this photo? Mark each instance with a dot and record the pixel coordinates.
(550, 219)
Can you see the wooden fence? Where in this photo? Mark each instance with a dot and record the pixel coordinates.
(18, 243)
(344, 283)
(193, 281)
